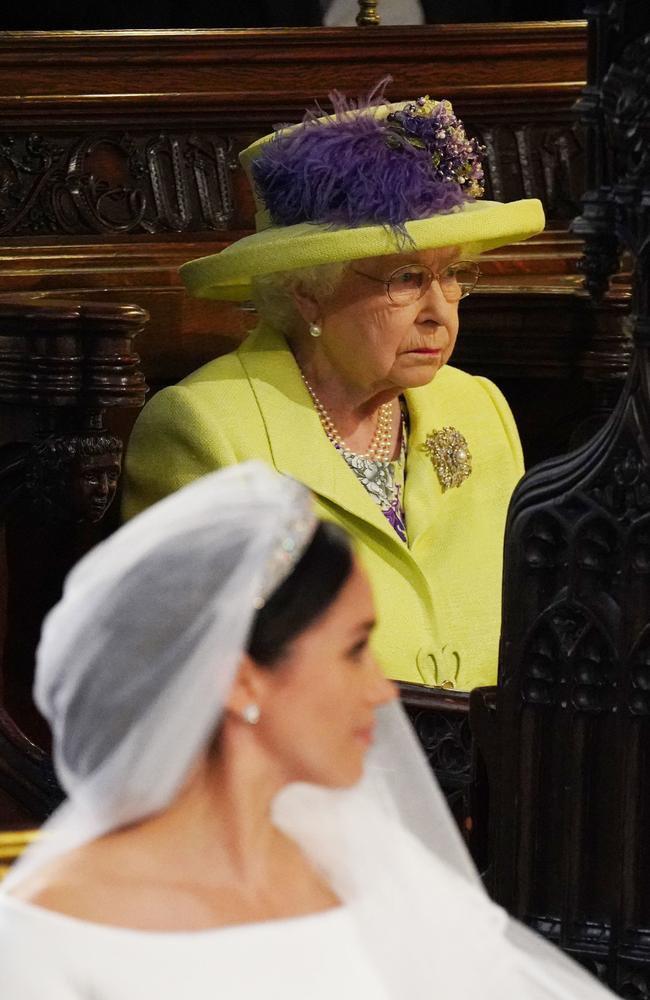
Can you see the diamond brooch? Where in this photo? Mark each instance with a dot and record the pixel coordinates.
(450, 456)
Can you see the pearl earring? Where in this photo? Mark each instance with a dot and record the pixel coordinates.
(251, 714)
(315, 330)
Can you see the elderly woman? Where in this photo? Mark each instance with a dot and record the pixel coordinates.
(369, 224)
(248, 813)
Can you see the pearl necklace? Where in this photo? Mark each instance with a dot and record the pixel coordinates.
(381, 445)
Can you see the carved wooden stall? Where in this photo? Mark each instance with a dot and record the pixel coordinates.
(64, 367)
(566, 734)
(118, 163)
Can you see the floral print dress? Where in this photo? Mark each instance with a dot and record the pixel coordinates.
(384, 481)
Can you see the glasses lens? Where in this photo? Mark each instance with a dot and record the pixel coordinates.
(459, 279)
(409, 284)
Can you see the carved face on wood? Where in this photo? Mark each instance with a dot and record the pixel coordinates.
(75, 478)
(93, 484)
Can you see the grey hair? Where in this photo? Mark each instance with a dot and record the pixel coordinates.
(273, 293)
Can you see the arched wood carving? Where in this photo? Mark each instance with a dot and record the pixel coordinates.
(567, 736)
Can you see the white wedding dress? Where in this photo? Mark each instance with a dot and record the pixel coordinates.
(411, 929)
(415, 922)
(48, 956)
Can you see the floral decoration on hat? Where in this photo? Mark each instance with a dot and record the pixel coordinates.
(432, 126)
(368, 164)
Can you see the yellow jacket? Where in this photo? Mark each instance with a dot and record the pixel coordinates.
(439, 599)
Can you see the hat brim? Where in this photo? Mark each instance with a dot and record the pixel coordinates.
(476, 227)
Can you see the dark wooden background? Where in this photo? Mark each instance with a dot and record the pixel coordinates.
(118, 163)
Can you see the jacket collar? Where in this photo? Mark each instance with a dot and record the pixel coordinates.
(422, 490)
(296, 439)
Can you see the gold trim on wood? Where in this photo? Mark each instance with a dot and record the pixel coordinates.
(12, 845)
(367, 16)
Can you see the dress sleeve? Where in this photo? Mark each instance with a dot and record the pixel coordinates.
(538, 970)
(507, 421)
(28, 984)
(31, 968)
(507, 960)
(170, 446)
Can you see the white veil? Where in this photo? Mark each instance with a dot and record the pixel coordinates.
(133, 670)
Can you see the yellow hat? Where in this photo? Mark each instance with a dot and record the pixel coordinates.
(364, 182)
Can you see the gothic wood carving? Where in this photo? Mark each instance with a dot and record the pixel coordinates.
(568, 746)
(114, 183)
(118, 184)
(530, 160)
(611, 26)
(73, 477)
(441, 723)
(64, 368)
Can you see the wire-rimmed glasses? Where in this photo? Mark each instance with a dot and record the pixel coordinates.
(410, 282)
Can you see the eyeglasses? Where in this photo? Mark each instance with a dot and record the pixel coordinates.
(409, 283)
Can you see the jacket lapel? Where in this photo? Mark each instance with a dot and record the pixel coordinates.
(422, 490)
(298, 444)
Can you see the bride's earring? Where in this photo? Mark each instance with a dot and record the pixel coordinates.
(315, 330)
(251, 714)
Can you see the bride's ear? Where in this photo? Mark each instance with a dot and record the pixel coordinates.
(248, 689)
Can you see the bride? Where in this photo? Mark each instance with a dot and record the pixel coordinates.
(247, 810)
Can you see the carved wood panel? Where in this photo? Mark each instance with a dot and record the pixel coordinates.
(64, 368)
(441, 723)
(568, 744)
(527, 160)
(114, 183)
(120, 183)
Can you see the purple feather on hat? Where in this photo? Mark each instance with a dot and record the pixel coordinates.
(358, 169)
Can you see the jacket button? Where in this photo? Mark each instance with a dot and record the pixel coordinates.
(427, 667)
(449, 665)
(431, 663)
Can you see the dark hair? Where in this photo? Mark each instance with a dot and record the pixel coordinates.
(304, 596)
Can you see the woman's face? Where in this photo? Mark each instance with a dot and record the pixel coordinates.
(373, 343)
(318, 704)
